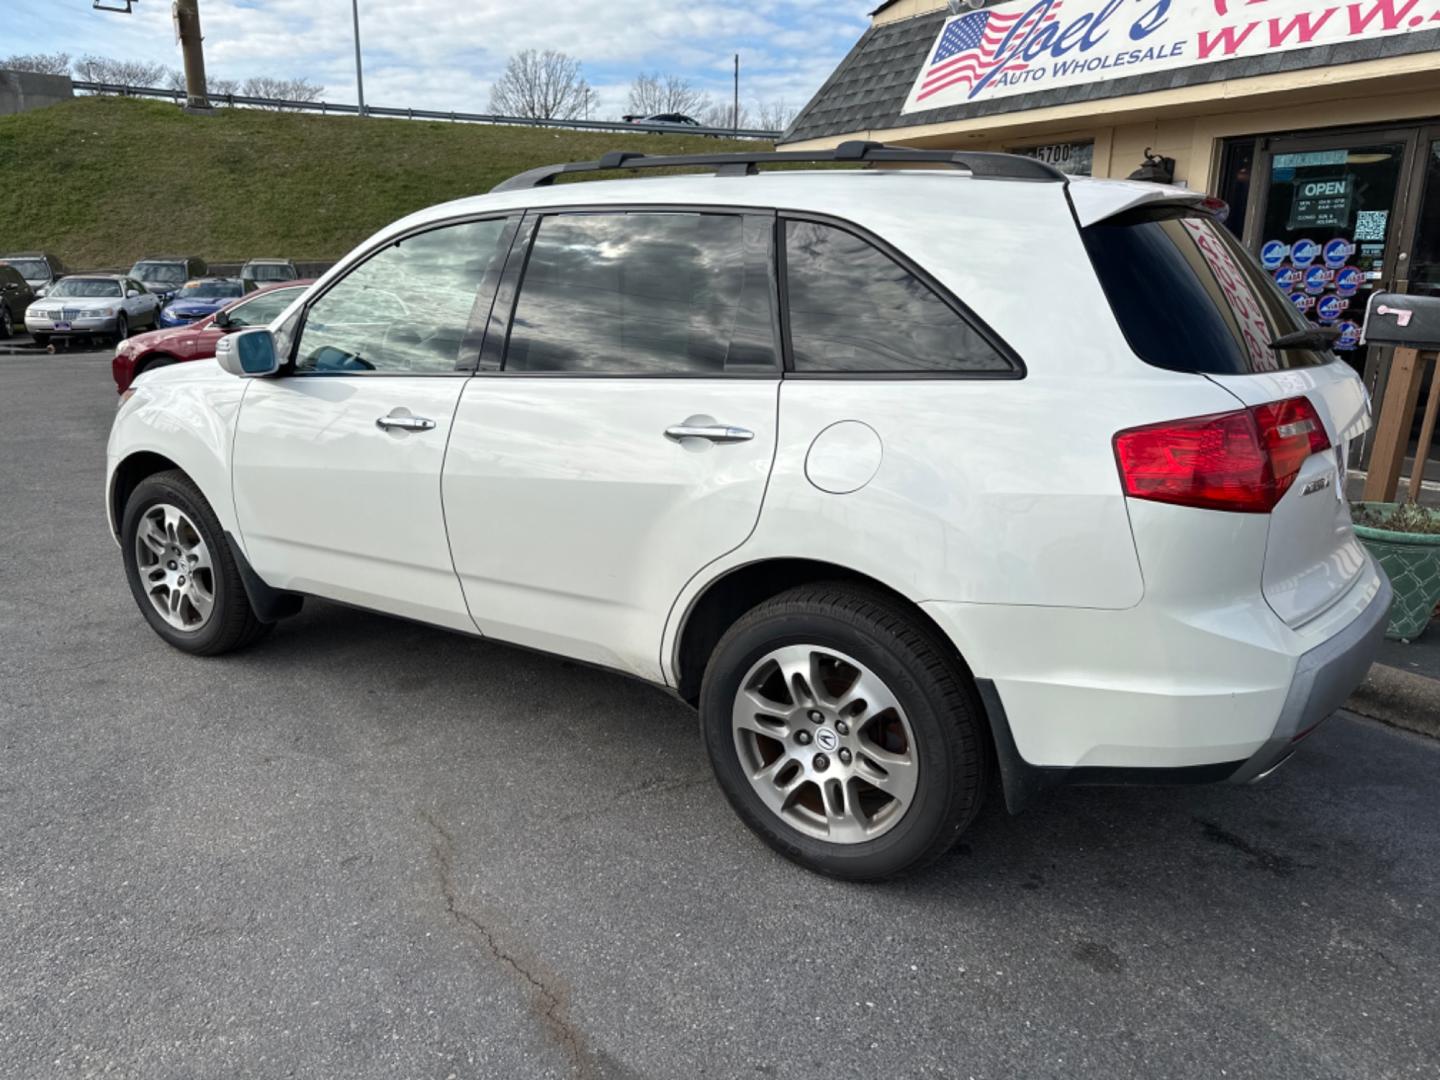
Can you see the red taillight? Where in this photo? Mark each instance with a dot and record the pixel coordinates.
(1242, 461)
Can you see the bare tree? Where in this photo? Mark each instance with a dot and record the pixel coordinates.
(721, 114)
(104, 69)
(301, 89)
(543, 86)
(774, 115)
(216, 88)
(40, 63)
(655, 93)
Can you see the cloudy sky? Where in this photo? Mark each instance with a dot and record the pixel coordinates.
(444, 53)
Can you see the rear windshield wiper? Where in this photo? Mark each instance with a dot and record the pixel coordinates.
(1314, 337)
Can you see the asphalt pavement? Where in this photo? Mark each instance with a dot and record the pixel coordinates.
(366, 848)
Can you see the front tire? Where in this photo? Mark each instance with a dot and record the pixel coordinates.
(181, 571)
(7, 323)
(122, 328)
(844, 732)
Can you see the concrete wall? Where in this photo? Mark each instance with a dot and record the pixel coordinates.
(24, 90)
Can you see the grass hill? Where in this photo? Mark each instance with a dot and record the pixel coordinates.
(102, 181)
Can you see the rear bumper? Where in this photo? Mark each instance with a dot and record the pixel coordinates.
(1324, 678)
(1160, 696)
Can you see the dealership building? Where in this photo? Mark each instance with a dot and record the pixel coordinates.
(1317, 122)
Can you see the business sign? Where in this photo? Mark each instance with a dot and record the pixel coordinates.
(1074, 158)
(1026, 46)
(1322, 203)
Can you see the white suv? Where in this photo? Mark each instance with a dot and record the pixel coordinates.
(902, 477)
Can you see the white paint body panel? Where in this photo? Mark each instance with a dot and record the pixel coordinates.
(1312, 556)
(330, 504)
(186, 413)
(575, 522)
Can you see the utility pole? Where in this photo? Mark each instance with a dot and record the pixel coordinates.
(187, 29)
(359, 76)
(735, 113)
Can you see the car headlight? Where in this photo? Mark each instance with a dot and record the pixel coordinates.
(105, 312)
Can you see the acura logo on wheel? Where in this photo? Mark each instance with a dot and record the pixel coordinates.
(826, 739)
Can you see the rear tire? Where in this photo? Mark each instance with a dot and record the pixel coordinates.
(846, 674)
(181, 571)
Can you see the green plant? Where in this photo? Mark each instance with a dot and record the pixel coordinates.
(1406, 517)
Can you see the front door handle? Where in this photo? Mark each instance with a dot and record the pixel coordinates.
(404, 423)
(716, 433)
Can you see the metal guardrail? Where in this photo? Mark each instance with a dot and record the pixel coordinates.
(326, 107)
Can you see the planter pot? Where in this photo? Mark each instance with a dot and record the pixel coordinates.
(1412, 561)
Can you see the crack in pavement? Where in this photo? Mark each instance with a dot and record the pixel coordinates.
(551, 1001)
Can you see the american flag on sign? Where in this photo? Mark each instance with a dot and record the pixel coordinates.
(966, 50)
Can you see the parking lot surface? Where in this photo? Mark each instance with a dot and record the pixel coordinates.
(370, 849)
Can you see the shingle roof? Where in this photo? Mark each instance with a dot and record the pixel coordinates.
(871, 84)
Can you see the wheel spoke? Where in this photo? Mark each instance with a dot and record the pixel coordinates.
(896, 777)
(842, 819)
(801, 669)
(774, 794)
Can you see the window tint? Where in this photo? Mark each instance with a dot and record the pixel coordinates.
(853, 308)
(1190, 298)
(408, 307)
(645, 294)
(262, 310)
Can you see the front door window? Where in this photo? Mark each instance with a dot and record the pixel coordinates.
(1327, 228)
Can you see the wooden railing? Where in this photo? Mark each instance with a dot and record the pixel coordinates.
(1397, 415)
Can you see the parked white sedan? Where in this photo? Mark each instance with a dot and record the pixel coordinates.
(92, 305)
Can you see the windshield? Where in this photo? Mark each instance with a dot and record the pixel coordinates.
(270, 272)
(83, 287)
(205, 290)
(30, 269)
(159, 273)
(1189, 298)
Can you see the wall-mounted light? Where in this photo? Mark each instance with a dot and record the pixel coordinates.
(1155, 169)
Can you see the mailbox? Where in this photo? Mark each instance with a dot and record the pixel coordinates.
(1397, 319)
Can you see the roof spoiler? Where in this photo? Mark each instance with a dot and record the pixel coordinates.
(1095, 200)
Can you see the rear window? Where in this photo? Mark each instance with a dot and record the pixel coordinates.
(1189, 298)
(270, 272)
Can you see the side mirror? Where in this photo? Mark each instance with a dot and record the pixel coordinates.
(221, 320)
(132, 293)
(248, 353)
(1400, 319)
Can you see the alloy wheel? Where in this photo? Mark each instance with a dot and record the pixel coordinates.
(175, 567)
(825, 744)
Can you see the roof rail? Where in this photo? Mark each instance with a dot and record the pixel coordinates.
(983, 165)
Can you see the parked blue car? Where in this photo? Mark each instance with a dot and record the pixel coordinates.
(200, 297)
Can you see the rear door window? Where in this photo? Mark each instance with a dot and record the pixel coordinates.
(646, 293)
(1189, 298)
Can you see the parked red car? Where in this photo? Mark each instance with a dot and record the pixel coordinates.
(197, 340)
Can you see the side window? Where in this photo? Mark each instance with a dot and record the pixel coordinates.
(407, 308)
(647, 293)
(852, 308)
(262, 310)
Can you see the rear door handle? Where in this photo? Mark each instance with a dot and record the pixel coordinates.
(404, 423)
(716, 433)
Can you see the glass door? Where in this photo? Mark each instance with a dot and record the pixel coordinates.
(1420, 266)
(1330, 225)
